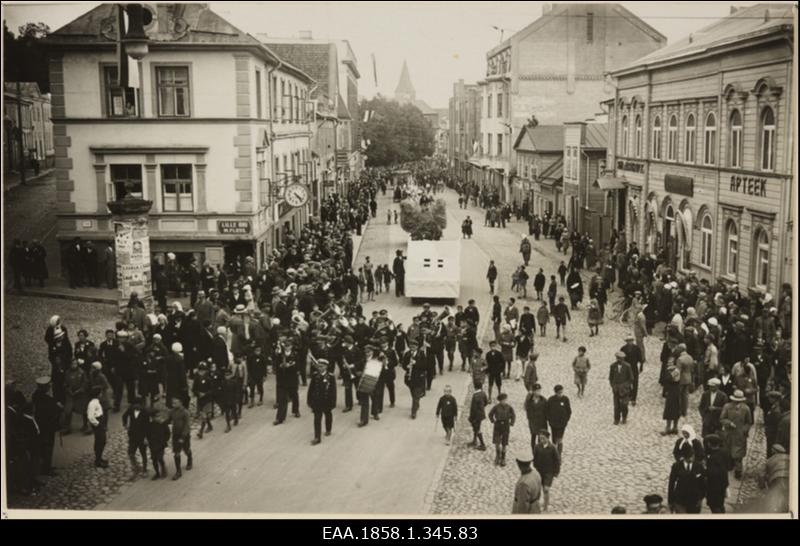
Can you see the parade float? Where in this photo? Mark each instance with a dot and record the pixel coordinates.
(433, 266)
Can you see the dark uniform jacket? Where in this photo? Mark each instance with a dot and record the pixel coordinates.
(536, 410)
(503, 415)
(137, 426)
(46, 411)
(477, 407)
(495, 362)
(322, 391)
(546, 460)
(558, 411)
(687, 487)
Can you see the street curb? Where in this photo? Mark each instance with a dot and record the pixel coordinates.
(18, 184)
(59, 296)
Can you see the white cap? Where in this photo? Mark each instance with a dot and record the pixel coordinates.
(177, 347)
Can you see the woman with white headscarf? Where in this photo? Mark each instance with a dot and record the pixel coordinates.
(688, 437)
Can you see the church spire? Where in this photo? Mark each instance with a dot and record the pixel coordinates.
(405, 89)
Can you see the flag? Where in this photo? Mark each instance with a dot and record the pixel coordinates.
(366, 116)
(374, 71)
(133, 72)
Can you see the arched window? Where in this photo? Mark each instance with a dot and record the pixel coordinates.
(657, 138)
(736, 139)
(710, 156)
(672, 139)
(762, 259)
(707, 231)
(638, 136)
(768, 139)
(691, 140)
(625, 135)
(732, 247)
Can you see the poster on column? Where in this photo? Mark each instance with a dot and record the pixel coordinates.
(133, 255)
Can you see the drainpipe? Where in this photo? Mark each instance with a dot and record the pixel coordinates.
(586, 206)
(310, 163)
(273, 204)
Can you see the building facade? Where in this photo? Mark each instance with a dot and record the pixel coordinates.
(210, 125)
(36, 125)
(554, 69)
(539, 153)
(700, 143)
(464, 123)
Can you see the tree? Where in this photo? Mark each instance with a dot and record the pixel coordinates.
(396, 133)
(36, 31)
(25, 56)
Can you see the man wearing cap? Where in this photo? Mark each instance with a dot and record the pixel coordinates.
(717, 465)
(496, 366)
(322, 398)
(399, 270)
(654, 505)
(351, 357)
(736, 420)
(414, 363)
(286, 380)
(633, 356)
(620, 377)
(687, 484)
(711, 403)
(559, 412)
(47, 413)
(528, 489)
(502, 416)
(136, 420)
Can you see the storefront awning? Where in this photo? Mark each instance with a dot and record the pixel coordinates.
(610, 183)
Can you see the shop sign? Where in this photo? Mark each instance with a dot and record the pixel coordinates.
(630, 166)
(749, 185)
(233, 227)
(682, 185)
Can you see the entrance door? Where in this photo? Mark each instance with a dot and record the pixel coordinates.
(669, 238)
(238, 251)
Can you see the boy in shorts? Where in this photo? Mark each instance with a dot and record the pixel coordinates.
(502, 417)
(581, 367)
(477, 413)
(561, 314)
(447, 409)
(547, 462)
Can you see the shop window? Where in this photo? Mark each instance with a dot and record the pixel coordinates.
(710, 140)
(732, 249)
(736, 139)
(762, 259)
(173, 90)
(176, 182)
(706, 231)
(691, 140)
(625, 135)
(638, 136)
(126, 180)
(672, 139)
(768, 139)
(657, 138)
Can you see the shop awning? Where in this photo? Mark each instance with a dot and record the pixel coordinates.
(610, 183)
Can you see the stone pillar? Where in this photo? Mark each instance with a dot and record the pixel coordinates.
(132, 240)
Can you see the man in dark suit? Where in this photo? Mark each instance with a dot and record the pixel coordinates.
(687, 484)
(711, 403)
(620, 377)
(137, 422)
(496, 366)
(75, 261)
(415, 363)
(91, 262)
(220, 350)
(399, 270)
(472, 314)
(633, 356)
(352, 358)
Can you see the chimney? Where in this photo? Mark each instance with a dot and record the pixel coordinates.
(546, 8)
(305, 35)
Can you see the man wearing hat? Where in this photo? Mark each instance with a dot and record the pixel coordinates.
(399, 270)
(654, 504)
(620, 377)
(717, 465)
(711, 403)
(415, 364)
(736, 420)
(528, 489)
(633, 356)
(687, 484)
(322, 398)
(47, 413)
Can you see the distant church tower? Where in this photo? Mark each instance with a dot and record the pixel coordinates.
(405, 92)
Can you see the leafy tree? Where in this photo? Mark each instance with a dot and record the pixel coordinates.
(396, 133)
(25, 56)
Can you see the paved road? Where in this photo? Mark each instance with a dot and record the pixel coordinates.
(387, 468)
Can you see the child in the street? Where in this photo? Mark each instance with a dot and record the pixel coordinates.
(395, 216)
(581, 367)
(387, 277)
(561, 314)
(447, 409)
(502, 417)
(388, 216)
(477, 413)
(524, 346)
(562, 272)
(543, 317)
(593, 318)
(157, 438)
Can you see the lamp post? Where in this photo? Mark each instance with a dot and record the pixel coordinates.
(129, 214)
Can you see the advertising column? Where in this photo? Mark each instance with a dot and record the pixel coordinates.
(132, 240)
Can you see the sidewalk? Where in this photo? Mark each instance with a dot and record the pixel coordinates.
(12, 179)
(59, 289)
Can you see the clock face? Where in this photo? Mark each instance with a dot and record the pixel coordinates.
(296, 195)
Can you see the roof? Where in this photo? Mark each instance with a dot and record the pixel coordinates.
(595, 136)
(543, 138)
(27, 89)
(749, 22)
(424, 108)
(554, 172)
(312, 58)
(404, 86)
(342, 112)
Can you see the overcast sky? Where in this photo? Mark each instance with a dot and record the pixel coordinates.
(442, 41)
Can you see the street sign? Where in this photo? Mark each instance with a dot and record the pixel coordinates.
(233, 227)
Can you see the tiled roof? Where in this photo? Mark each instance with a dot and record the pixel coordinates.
(313, 59)
(424, 108)
(174, 23)
(596, 135)
(544, 138)
(746, 22)
(554, 172)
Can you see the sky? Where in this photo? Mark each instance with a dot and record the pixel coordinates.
(441, 41)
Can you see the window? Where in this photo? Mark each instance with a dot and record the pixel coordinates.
(736, 139)
(706, 232)
(590, 27)
(657, 138)
(120, 101)
(126, 180)
(691, 142)
(568, 163)
(767, 139)
(710, 141)
(173, 90)
(638, 136)
(499, 144)
(274, 98)
(762, 259)
(283, 101)
(176, 181)
(489, 106)
(625, 135)
(499, 105)
(258, 94)
(672, 139)
(732, 266)
(489, 144)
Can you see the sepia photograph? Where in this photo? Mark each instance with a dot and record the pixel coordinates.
(449, 261)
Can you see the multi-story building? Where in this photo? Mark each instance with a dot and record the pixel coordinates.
(210, 125)
(700, 142)
(585, 207)
(539, 153)
(464, 141)
(36, 126)
(554, 69)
